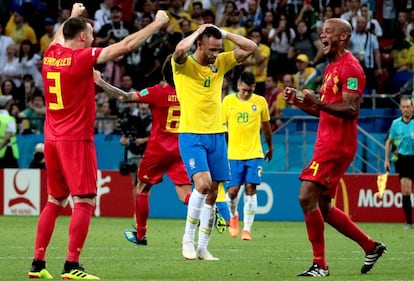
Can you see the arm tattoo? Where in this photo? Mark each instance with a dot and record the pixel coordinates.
(114, 92)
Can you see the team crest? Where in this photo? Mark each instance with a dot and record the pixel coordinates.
(254, 107)
(191, 163)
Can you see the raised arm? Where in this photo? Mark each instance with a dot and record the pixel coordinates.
(77, 10)
(183, 47)
(246, 46)
(134, 40)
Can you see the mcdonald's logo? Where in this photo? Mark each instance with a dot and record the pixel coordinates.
(345, 198)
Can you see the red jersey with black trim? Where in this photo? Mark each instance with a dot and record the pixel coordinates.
(165, 109)
(69, 92)
(338, 135)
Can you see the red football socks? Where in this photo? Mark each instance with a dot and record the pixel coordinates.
(78, 229)
(141, 214)
(341, 222)
(315, 225)
(45, 227)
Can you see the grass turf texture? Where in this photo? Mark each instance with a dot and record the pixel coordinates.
(278, 251)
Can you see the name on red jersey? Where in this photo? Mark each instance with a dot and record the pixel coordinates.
(57, 62)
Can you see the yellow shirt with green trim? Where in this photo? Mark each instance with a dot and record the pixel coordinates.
(244, 120)
(199, 92)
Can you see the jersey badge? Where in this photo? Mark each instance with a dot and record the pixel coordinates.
(352, 83)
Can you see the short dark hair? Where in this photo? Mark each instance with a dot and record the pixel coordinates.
(247, 78)
(167, 72)
(73, 26)
(210, 31)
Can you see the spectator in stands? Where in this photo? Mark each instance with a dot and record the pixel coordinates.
(11, 69)
(28, 58)
(401, 71)
(254, 16)
(410, 25)
(8, 88)
(257, 63)
(116, 106)
(197, 12)
(365, 47)
(64, 14)
(373, 25)
(401, 132)
(47, 37)
(234, 26)
(9, 151)
(35, 114)
(208, 16)
(229, 7)
(353, 12)
(306, 42)
(308, 15)
(280, 39)
(116, 29)
(26, 91)
(4, 42)
(113, 69)
(388, 15)
(266, 25)
(102, 16)
(327, 13)
(19, 30)
(271, 92)
(38, 160)
(288, 81)
(105, 122)
(305, 74)
(402, 24)
(176, 12)
(146, 7)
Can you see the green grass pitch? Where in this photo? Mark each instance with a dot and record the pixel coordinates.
(278, 251)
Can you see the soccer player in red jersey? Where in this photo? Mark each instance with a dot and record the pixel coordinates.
(335, 147)
(162, 155)
(69, 131)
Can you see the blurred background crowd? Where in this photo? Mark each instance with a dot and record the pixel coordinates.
(286, 31)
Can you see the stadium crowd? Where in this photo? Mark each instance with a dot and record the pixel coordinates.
(287, 33)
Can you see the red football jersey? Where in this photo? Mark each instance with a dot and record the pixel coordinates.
(69, 92)
(337, 135)
(165, 110)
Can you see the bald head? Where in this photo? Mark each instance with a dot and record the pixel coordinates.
(343, 25)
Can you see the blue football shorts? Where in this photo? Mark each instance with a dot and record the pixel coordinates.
(205, 152)
(245, 171)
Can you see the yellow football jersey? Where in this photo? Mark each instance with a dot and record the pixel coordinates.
(199, 92)
(244, 120)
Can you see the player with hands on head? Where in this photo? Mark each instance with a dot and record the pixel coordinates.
(335, 147)
(198, 79)
(69, 150)
(162, 155)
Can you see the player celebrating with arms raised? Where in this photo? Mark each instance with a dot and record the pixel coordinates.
(69, 132)
(335, 147)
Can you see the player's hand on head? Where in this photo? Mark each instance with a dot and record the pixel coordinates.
(161, 17)
(77, 9)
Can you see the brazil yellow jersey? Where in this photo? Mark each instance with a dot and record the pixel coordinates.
(244, 120)
(199, 92)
